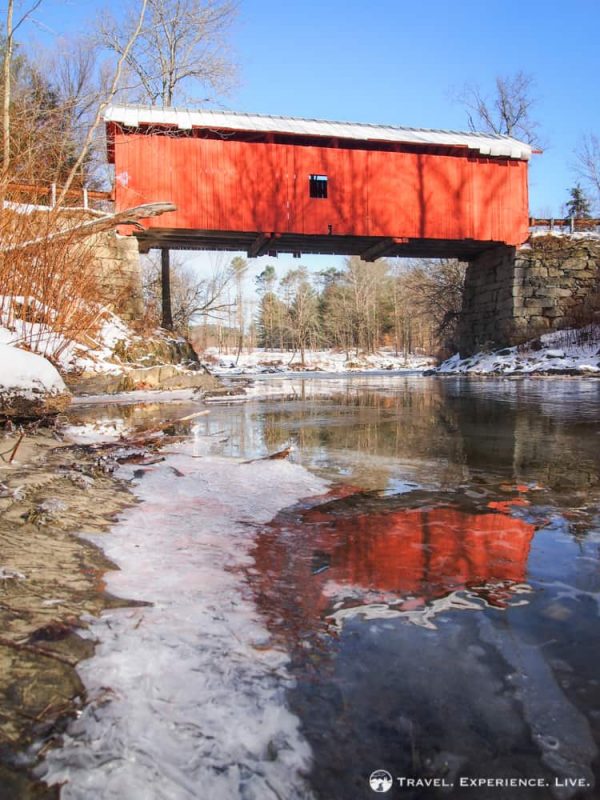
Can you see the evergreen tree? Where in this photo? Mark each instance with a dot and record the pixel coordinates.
(578, 205)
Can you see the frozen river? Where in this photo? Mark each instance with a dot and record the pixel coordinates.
(416, 590)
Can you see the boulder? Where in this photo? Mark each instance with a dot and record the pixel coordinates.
(163, 376)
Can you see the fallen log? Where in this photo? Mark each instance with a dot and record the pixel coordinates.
(130, 216)
(139, 458)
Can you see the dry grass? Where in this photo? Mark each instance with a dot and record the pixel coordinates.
(577, 337)
(50, 294)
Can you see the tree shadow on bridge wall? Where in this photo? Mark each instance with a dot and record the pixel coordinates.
(439, 202)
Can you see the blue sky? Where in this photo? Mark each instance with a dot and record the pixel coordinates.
(402, 62)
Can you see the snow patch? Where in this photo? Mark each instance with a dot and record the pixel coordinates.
(92, 354)
(101, 431)
(572, 351)
(28, 374)
(269, 361)
(562, 234)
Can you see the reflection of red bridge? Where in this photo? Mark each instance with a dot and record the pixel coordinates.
(266, 184)
(410, 554)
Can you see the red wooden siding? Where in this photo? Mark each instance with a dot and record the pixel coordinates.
(232, 185)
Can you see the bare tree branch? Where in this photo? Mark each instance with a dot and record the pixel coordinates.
(181, 53)
(507, 112)
(588, 162)
(98, 118)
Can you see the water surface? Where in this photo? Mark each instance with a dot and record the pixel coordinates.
(437, 600)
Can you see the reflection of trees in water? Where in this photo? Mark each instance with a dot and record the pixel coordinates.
(136, 414)
(403, 425)
(443, 429)
(561, 453)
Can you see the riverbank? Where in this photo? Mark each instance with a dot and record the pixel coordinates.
(51, 579)
(565, 352)
(260, 361)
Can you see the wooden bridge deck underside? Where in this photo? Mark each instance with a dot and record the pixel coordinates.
(258, 244)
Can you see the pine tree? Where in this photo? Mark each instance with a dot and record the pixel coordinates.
(578, 206)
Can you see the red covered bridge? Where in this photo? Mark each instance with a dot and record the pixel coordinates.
(274, 184)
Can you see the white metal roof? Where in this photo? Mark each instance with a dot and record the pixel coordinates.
(487, 144)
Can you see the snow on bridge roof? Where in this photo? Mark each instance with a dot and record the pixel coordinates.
(487, 144)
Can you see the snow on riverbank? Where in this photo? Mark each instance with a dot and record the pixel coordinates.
(195, 704)
(28, 373)
(261, 361)
(29, 384)
(563, 352)
(92, 353)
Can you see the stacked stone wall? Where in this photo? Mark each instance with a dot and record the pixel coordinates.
(512, 295)
(117, 260)
(488, 304)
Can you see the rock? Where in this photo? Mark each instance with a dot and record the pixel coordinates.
(157, 351)
(30, 385)
(164, 376)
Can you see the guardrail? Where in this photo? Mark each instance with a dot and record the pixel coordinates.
(572, 224)
(51, 192)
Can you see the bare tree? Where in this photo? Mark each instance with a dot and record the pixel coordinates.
(365, 282)
(303, 309)
(11, 28)
(268, 306)
(193, 298)
(239, 267)
(81, 82)
(114, 86)
(588, 163)
(181, 53)
(508, 111)
(437, 289)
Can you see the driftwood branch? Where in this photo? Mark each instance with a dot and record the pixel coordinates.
(130, 216)
(37, 651)
(145, 434)
(271, 456)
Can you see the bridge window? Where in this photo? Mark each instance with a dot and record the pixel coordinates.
(317, 185)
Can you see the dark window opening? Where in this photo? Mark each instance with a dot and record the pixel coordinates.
(317, 185)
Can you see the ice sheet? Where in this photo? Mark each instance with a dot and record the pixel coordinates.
(188, 695)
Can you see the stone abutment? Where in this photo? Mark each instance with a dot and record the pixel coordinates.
(515, 294)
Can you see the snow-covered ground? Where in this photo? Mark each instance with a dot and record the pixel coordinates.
(196, 700)
(28, 373)
(568, 351)
(91, 353)
(25, 370)
(266, 361)
(563, 234)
